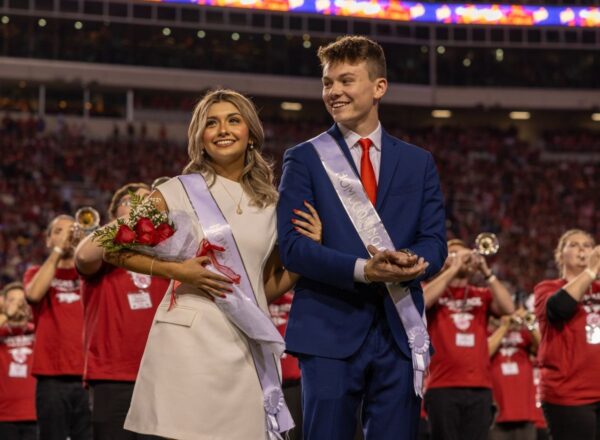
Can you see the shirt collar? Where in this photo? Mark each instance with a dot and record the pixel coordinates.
(352, 138)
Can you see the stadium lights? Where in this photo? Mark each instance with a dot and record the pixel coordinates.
(596, 117)
(499, 55)
(519, 116)
(5, 19)
(291, 106)
(441, 114)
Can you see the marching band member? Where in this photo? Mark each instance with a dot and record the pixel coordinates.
(17, 385)
(459, 397)
(568, 310)
(53, 291)
(119, 307)
(512, 344)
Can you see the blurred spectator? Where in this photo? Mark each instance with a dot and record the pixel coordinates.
(17, 385)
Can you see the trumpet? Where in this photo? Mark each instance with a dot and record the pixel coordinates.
(487, 244)
(528, 320)
(87, 219)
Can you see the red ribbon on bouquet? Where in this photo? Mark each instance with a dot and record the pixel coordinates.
(207, 249)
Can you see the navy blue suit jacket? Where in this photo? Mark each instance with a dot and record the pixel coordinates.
(331, 314)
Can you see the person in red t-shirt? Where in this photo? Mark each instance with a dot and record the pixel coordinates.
(119, 308)
(17, 385)
(458, 399)
(568, 310)
(53, 291)
(280, 311)
(514, 339)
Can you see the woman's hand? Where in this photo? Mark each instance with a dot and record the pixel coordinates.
(594, 262)
(310, 226)
(194, 273)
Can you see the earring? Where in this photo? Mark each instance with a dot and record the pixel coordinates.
(251, 145)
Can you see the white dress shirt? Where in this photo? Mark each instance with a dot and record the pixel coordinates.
(352, 139)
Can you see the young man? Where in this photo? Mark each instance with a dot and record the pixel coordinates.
(351, 337)
(459, 395)
(53, 290)
(17, 385)
(119, 309)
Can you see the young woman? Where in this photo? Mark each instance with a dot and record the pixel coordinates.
(568, 310)
(198, 378)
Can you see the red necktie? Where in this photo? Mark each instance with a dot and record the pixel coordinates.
(367, 174)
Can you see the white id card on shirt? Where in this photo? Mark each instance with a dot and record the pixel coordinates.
(17, 370)
(139, 300)
(465, 339)
(509, 368)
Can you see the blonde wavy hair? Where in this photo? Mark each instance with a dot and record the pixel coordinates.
(562, 242)
(257, 175)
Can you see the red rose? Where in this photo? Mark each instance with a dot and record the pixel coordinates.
(147, 238)
(125, 235)
(163, 232)
(144, 226)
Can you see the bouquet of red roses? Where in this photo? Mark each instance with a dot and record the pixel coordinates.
(145, 226)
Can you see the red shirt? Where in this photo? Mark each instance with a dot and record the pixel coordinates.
(58, 318)
(458, 330)
(119, 308)
(512, 378)
(569, 354)
(280, 311)
(538, 414)
(17, 385)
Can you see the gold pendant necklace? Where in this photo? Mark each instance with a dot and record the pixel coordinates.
(238, 209)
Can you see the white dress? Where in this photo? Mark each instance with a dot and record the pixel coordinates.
(197, 380)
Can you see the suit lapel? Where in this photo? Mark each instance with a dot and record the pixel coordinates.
(390, 159)
(339, 138)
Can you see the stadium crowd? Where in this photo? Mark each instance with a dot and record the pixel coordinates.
(492, 181)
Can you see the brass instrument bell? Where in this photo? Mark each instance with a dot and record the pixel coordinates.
(487, 244)
(87, 219)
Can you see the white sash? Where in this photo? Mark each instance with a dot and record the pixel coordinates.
(371, 230)
(241, 306)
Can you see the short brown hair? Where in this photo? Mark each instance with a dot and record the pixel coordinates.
(54, 220)
(122, 192)
(354, 49)
(12, 286)
(457, 242)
